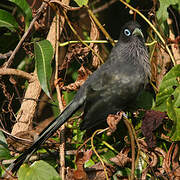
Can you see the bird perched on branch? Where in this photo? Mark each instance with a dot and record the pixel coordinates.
(111, 88)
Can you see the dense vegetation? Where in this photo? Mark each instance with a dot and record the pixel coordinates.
(47, 50)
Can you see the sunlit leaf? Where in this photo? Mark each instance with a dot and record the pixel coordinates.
(81, 2)
(89, 163)
(43, 56)
(39, 170)
(167, 87)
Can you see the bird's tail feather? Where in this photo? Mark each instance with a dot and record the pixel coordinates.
(45, 134)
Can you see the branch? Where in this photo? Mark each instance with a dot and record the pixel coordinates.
(60, 19)
(16, 72)
(96, 41)
(6, 55)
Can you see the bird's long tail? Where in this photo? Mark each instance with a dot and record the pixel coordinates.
(45, 134)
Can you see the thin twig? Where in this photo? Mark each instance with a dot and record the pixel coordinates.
(10, 176)
(108, 37)
(101, 8)
(85, 41)
(96, 41)
(90, 139)
(74, 31)
(110, 147)
(61, 107)
(92, 144)
(65, 6)
(127, 123)
(40, 10)
(138, 145)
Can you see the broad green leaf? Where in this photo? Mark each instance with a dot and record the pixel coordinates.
(167, 87)
(168, 99)
(24, 7)
(173, 109)
(4, 152)
(81, 2)
(7, 20)
(162, 13)
(43, 55)
(39, 170)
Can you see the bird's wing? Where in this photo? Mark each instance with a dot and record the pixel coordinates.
(111, 91)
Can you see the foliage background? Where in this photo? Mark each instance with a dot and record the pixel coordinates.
(45, 59)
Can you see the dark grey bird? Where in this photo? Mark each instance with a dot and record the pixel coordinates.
(111, 88)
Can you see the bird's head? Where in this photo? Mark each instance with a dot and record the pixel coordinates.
(131, 32)
(131, 46)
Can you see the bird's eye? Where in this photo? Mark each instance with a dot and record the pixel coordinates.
(127, 32)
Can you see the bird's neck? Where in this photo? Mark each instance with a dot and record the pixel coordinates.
(134, 53)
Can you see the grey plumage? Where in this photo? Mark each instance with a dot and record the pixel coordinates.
(109, 89)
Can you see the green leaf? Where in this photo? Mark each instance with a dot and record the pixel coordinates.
(107, 156)
(168, 99)
(81, 2)
(43, 55)
(162, 13)
(167, 88)
(89, 163)
(4, 151)
(24, 6)
(7, 20)
(128, 1)
(39, 170)
(173, 109)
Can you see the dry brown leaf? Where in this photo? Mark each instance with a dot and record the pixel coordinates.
(94, 35)
(18, 145)
(122, 158)
(96, 172)
(75, 51)
(151, 121)
(81, 158)
(82, 76)
(159, 65)
(112, 121)
(175, 161)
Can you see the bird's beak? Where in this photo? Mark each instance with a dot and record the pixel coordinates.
(138, 32)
